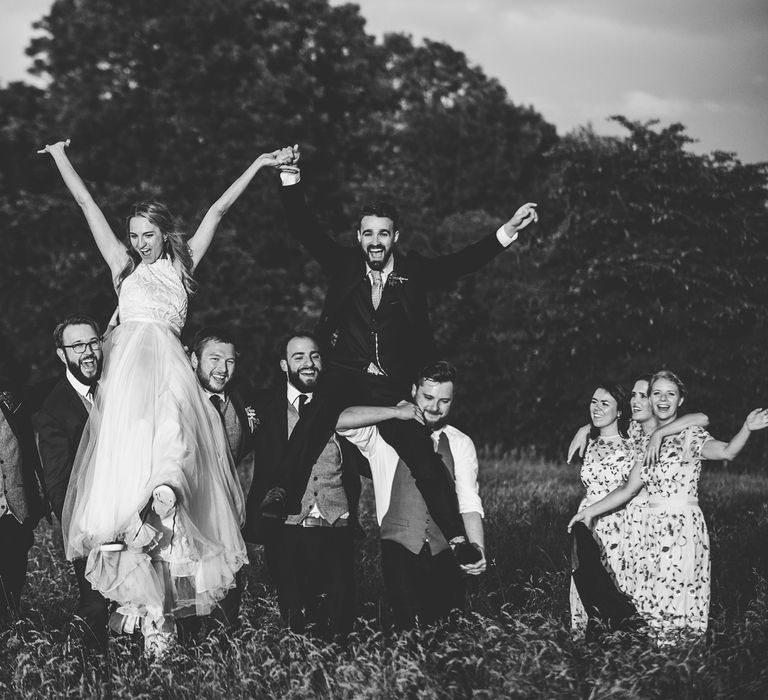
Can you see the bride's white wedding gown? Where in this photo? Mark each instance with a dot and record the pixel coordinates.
(150, 426)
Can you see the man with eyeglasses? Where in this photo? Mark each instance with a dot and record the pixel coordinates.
(59, 426)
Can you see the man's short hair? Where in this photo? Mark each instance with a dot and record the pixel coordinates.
(73, 320)
(282, 348)
(212, 335)
(441, 371)
(380, 208)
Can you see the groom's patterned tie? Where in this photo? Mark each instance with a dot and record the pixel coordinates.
(376, 288)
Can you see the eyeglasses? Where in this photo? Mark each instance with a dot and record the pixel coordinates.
(79, 348)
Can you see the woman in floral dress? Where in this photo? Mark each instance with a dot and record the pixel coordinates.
(646, 436)
(674, 595)
(607, 463)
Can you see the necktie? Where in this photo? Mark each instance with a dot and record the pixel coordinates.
(92, 393)
(443, 448)
(302, 401)
(216, 401)
(376, 288)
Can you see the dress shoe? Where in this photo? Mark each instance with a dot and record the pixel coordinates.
(466, 553)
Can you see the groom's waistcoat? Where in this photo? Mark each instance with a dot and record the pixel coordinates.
(407, 520)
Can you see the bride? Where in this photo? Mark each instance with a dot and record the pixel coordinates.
(153, 501)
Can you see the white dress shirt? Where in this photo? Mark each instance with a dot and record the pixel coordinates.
(83, 389)
(384, 459)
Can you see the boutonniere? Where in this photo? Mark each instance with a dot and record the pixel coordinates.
(394, 280)
(253, 421)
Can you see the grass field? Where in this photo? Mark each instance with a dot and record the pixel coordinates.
(516, 644)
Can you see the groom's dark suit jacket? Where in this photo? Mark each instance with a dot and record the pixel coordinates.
(59, 426)
(411, 344)
(270, 443)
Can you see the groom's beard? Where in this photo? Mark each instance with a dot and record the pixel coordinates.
(77, 371)
(378, 264)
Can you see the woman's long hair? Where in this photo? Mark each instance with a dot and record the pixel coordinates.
(174, 242)
(622, 405)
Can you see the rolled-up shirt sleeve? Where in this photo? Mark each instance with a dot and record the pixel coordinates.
(383, 460)
(465, 472)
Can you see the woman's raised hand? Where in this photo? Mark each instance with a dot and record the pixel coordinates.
(757, 419)
(58, 146)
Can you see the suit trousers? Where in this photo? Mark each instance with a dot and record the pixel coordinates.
(312, 568)
(341, 388)
(422, 588)
(92, 613)
(16, 540)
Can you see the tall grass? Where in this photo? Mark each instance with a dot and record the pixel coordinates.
(515, 643)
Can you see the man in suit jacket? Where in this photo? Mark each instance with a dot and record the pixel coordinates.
(376, 334)
(21, 501)
(59, 426)
(214, 360)
(423, 580)
(310, 555)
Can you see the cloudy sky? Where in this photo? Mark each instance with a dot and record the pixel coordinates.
(700, 62)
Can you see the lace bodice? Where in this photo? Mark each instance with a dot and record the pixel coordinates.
(154, 293)
(606, 465)
(676, 473)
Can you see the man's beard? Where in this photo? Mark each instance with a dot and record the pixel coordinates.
(377, 264)
(435, 424)
(206, 383)
(77, 373)
(304, 386)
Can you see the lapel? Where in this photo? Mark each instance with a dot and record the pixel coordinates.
(356, 276)
(237, 403)
(399, 268)
(11, 418)
(76, 403)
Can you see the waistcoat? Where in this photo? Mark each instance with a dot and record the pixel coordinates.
(407, 520)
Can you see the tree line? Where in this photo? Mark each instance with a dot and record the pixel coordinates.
(646, 255)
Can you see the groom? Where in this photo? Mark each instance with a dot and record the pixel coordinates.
(376, 335)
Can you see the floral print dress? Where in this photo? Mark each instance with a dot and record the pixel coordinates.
(674, 595)
(634, 519)
(606, 466)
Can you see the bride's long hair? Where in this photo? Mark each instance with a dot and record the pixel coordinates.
(174, 242)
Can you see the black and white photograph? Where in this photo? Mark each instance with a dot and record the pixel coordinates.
(384, 349)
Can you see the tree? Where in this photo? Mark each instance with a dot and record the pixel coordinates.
(658, 261)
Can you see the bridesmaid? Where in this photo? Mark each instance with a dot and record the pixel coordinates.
(607, 463)
(674, 595)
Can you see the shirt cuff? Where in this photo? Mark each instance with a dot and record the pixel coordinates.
(289, 178)
(504, 238)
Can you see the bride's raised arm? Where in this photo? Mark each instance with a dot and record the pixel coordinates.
(201, 240)
(110, 247)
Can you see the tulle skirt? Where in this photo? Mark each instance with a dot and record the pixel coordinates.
(151, 426)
